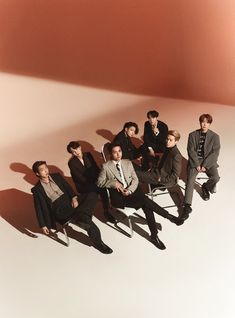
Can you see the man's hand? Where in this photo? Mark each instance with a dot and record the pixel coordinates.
(119, 186)
(151, 152)
(74, 202)
(155, 130)
(203, 169)
(125, 192)
(198, 168)
(45, 230)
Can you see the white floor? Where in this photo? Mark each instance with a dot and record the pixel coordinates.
(194, 277)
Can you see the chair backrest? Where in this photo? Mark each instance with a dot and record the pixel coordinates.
(105, 151)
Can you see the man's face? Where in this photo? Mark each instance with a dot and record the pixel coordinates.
(76, 152)
(130, 132)
(170, 141)
(43, 171)
(117, 153)
(204, 125)
(152, 120)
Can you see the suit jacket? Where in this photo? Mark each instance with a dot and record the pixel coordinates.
(129, 151)
(158, 143)
(42, 203)
(84, 176)
(211, 149)
(170, 167)
(109, 175)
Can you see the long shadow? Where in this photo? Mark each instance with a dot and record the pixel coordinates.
(16, 206)
(87, 147)
(108, 135)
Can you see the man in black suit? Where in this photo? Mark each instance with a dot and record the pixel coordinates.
(55, 201)
(155, 133)
(123, 138)
(119, 176)
(168, 171)
(84, 172)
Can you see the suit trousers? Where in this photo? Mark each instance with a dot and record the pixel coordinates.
(213, 175)
(64, 212)
(138, 200)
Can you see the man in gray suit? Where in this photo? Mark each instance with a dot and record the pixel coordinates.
(119, 176)
(203, 151)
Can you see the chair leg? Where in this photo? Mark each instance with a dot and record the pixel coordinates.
(66, 236)
(130, 226)
(63, 227)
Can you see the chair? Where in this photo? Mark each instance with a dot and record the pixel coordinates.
(128, 212)
(62, 227)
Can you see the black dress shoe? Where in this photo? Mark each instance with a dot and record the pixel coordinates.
(103, 248)
(176, 220)
(158, 243)
(205, 193)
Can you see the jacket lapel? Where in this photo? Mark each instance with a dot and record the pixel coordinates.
(114, 171)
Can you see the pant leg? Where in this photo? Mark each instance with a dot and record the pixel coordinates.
(87, 202)
(191, 176)
(153, 206)
(147, 176)
(213, 178)
(176, 195)
(150, 221)
(91, 228)
(104, 198)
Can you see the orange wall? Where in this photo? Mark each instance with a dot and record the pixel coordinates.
(177, 48)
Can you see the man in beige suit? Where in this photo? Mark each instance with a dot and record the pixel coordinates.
(119, 176)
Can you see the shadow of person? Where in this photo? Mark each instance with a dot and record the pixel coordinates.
(17, 206)
(87, 147)
(106, 134)
(29, 175)
(17, 209)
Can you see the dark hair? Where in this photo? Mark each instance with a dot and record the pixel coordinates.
(131, 124)
(37, 164)
(112, 145)
(208, 118)
(152, 113)
(72, 144)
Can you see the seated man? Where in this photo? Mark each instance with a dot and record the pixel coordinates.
(55, 201)
(119, 176)
(168, 170)
(155, 133)
(123, 138)
(84, 172)
(203, 151)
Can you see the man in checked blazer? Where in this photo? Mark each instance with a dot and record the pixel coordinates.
(119, 176)
(203, 151)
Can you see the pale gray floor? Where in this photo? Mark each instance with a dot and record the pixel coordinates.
(194, 277)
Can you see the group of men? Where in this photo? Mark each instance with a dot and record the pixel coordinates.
(157, 162)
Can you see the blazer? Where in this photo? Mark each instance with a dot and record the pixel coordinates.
(211, 149)
(84, 176)
(42, 203)
(129, 151)
(170, 167)
(109, 175)
(157, 142)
